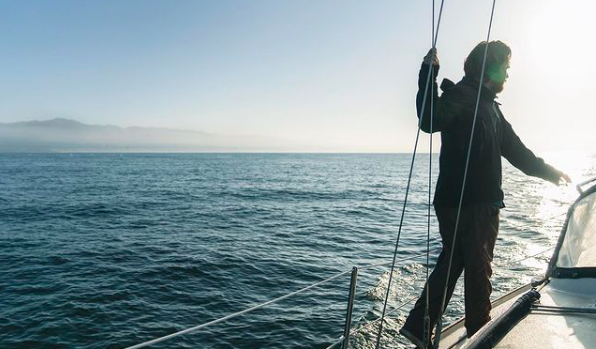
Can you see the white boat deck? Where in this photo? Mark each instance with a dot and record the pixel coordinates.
(548, 330)
(543, 329)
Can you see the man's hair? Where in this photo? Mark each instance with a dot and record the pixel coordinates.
(498, 53)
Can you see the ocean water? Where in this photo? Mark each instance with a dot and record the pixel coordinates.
(109, 250)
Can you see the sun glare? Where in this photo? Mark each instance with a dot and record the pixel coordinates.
(556, 199)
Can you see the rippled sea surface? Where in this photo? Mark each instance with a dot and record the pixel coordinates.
(110, 250)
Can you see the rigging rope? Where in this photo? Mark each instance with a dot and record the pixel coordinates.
(439, 325)
(434, 44)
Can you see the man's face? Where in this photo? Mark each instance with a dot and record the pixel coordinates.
(497, 77)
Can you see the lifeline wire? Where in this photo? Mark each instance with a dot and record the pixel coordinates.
(195, 328)
(436, 35)
(528, 257)
(230, 316)
(439, 325)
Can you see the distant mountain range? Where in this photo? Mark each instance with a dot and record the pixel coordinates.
(65, 135)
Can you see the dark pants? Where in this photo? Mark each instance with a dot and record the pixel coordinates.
(477, 232)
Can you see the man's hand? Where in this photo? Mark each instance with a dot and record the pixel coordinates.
(564, 178)
(431, 56)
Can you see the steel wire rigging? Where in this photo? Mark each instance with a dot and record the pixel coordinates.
(435, 36)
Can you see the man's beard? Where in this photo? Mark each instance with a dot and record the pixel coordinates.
(496, 87)
(499, 87)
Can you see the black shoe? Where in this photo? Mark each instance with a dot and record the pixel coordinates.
(412, 338)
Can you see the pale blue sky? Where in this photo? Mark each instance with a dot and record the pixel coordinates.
(339, 74)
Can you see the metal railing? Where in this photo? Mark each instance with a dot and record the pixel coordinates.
(580, 185)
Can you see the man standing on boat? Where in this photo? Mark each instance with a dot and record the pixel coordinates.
(494, 137)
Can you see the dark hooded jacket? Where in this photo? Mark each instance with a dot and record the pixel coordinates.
(493, 137)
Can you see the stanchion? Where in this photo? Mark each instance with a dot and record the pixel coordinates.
(351, 297)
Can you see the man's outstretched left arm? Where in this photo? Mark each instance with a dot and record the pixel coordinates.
(514, 150)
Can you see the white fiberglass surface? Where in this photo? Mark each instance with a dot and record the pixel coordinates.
(579, 246)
